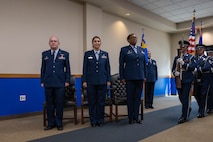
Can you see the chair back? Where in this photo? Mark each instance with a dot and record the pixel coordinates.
(70, 90)
(118, 88)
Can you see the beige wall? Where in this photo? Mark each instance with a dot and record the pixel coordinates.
(115, 31)
(27, 24)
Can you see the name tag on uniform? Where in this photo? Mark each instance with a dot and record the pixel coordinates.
(90, 57)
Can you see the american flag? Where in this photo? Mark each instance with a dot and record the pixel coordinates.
(191, 48)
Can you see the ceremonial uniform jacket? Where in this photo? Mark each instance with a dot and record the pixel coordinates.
(187, 68)
(152, 71)
(96, 72)
(54, 73)
(132, 66)
(203, 65)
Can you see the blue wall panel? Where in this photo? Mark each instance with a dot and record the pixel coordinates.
(12, 88)
(162, 87)
(10, 91)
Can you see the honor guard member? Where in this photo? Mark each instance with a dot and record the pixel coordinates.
(202, 79)
(176, 69)
(132, 70)
(186, 64)
(152, 77)
(55, 76)
(96, 78)
(210, 93)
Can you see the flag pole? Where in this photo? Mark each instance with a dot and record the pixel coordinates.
(192, 85)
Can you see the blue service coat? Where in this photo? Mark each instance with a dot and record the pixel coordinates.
(187, 68)
(55, 73)
(132, 66)
(96, 72)
(152, 71)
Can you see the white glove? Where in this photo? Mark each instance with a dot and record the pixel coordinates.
(180, 60)
(195, 70)
(177, 73)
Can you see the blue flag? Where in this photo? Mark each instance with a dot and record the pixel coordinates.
(143, 45)
(201, 38)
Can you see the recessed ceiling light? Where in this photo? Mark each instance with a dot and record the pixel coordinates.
(127, 14)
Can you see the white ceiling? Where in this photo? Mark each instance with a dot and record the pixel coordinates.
(164, 15)
(177, 10)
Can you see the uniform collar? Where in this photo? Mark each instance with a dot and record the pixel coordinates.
(56, 51)
(99, 51)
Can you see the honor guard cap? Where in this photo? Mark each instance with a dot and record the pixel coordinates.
(209, 49)
(200, 46)
(184, 42)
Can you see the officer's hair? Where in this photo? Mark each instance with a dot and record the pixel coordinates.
(95, 37)
(128, 37)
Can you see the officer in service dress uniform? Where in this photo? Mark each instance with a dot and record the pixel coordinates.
(55, 76)
(185, 62)
(202, 79)
(132, 70)
(152, 77)
(96, 78)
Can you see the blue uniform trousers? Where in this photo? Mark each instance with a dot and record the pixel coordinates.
(149, 93)
(134, 89)
(55, 103)
(184, 96)
(200, 93)
(96, 98)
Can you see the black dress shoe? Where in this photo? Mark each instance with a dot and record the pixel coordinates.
(93, 125)
(60, 128)
(209, 111)
(48, 128)
(181, 120)
(151, 107)
(138, 121)
(100, 125)
(131, 122)
(146, 107)
(200, 115)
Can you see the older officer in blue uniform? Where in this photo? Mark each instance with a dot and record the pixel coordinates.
(55, 76)
(96, 78)
(132, 70)
(202, 79)
(186, 65)
(152, 77)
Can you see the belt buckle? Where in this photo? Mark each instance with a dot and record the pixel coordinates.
(198, 80)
